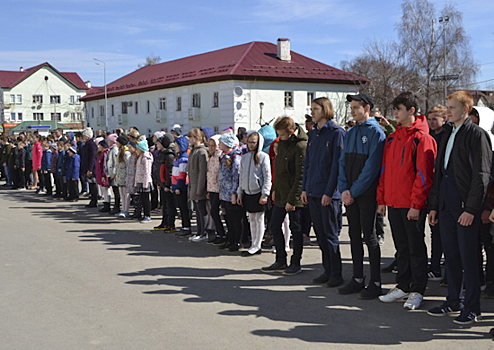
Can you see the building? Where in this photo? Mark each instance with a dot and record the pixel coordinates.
(41, 93)
(240, 86)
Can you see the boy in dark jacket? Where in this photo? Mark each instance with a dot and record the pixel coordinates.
(287, 190)
(358, 177)
(320, 188)
(456, 200)
(72, 174)
(406, 178)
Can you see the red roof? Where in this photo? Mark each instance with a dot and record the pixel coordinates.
(255, 60)
(9, 79)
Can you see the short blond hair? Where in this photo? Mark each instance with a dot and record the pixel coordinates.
(463, 97)
(439, 109)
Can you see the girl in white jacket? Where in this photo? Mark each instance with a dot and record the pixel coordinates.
(254, 188)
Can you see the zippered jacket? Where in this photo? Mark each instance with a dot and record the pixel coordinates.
(360, 161)
(321, 164)
(407, 168)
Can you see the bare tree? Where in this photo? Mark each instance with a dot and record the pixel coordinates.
(150, 60)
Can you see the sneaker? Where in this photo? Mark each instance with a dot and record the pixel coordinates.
(488, 292)
(444, 310)
(200, 238)
(276, 267)
(324, 278)
(352, 287)
(434, 275)
(334, 281)
(123, 215)
(372, 291)
(394, 295)
(414, 301)
(160, 227)
(292, 270)
(192, 237)
(145, 219)
(211, 239)
(467, 317)
(224, 245)
(234, 247)
(218, 241)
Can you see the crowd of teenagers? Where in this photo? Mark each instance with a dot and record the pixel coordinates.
(267, 187)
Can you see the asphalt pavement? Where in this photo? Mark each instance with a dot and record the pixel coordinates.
(73, 278)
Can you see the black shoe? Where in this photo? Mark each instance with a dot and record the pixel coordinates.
(334, 281)
(370, 292)
(444, 310)
(218, 241)
(211, 239)
(114, 211)
(105, 209)
(224, 245)
(276, 267)
(351, 287)
(160, 227)
(246, 253)
(467, 317)
(321, 279)
(234, 247)
(292, 270)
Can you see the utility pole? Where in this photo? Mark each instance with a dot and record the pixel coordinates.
(106, 96)
(444, 20)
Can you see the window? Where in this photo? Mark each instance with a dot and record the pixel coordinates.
(38, 99)
(79, 116)
(101, 111)
(54, 99)
(310, 97)
(19, 99)
(136, 107)
(162, 103)
(12, 99)
(12, 117)
(148, 107)
(72, 99)
(215, 99)
(56, 116)
(288, 99)
(179, 104)
(124, 107)
(19, 116)
(112, 110)
(92, 112)
(196, 100)
(78, 99)
(72, 117)
(38, 116)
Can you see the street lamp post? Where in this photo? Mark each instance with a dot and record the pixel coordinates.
(106, 96)
(261, 106)
(444, 20)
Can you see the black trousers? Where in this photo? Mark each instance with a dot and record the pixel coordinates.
(169, 211)
(72, 189)
(234, 222)
(486, 238)
(201, 216)
(411, 252)
(146, 203)
(47, 183)
(215, 214)
(361, 216)
(277, 217)
(21, 178)
(116, 195)
(184, 208)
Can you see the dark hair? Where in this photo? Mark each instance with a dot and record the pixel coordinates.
(407, 99)
(475, 113)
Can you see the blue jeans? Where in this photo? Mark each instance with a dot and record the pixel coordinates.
(327, 223)
(8, 175)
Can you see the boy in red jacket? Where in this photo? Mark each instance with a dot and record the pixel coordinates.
(406, 178)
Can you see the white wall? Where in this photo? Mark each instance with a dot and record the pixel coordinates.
(36, 84)
(233, 110)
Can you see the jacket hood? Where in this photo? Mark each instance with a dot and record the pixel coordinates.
(299, 135)
(420, 124)
(486, 121)
(269, 134)
(271, 148)
(261, 140)
(216, 139)
(208, 132)
(166, 140)
(183, 144)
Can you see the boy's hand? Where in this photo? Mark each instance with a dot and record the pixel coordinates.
(381, 209)
(346, 196)
(485, 217)
(326, 200)
(413, 214)
(433, 218)
(303, 196)
(289, 207)
(465, 219)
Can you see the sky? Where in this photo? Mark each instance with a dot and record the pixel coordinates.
(69, 34)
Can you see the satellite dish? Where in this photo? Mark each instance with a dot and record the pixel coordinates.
(239, 105)
(238, 91)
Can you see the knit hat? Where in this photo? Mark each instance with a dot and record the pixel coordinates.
(229, 140)
(123, 139)
(166, 140)
(112, 138)
(177, 129)
(53, 145)
(132, 144)
(72, 149)
(143, 145)
(103, 143)
(88, 132)
(141, 138)
(159, 134)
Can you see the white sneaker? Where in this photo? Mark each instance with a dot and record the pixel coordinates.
(199, 238)
(191, 238)
(414, 301)
(394, 295)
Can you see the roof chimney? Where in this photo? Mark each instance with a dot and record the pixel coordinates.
(88, 84)
(284, 49)
(21, 69)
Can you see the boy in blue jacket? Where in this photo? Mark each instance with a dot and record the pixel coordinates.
(72, 174)
(45, 167)
(360, 164)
